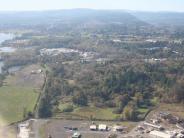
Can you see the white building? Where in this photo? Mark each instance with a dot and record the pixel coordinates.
(159, 134)
(23, 130)
(102, 127)
(93, 127)
(158, 127)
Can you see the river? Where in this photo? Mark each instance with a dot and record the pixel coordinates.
(4, 37)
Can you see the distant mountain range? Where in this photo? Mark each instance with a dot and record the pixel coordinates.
(76, 15)
(161, 18)
(89, 18)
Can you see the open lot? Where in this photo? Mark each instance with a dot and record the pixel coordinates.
(56, 128)
(27, 77)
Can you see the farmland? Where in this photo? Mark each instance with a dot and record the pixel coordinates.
(19, 94)
(14, 100)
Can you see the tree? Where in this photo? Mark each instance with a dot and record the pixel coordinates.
(138, 98)
(45, 108)
(121, 103)
(80, 99)
(129, 112)
(177, 93)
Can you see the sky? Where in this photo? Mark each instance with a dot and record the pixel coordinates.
(138, 5)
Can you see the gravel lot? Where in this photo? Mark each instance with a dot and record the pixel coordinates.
(56, 129)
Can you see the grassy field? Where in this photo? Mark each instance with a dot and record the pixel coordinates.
(13, 102)
(20, 93)
(90, 113)
(142, 112)
(176, 109)
(96, 113)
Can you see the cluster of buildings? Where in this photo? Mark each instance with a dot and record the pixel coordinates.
(164, 125)
(100, 127)
(155, 60)
(96, 129)
(104, 127)
(57, 51)
(85, 57)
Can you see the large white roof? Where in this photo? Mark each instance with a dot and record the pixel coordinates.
(102, 126)
(160, 134)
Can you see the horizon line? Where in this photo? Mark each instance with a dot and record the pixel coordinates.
(125, 10)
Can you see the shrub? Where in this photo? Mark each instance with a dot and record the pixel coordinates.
(68, 108)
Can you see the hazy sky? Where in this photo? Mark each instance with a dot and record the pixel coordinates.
(144, 5)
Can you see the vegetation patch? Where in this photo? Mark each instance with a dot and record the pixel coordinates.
(15, 102)
(96, 113)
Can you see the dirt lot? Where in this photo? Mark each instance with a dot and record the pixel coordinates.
(28, 76)
(56, 129)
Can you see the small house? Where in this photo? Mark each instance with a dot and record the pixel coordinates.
(102, 127)
(93, 127)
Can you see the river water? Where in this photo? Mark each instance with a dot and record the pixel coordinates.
(4, 37)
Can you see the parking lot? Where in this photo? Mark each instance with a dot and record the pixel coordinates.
(65, 129)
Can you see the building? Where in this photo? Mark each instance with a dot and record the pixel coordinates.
(164, 115)
(159, 134)
(93, 127)
(118, 128)
(158, 127)
(23, 130)
(102, 127)
(180, 135)
(76, 135)
(155, 121)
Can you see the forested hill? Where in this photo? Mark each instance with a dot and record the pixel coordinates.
(89, 16)
(74, 15)
(161, 18)
(71, 19)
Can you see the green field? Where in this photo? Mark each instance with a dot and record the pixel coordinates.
(96, 113)
(19, 94)
(90, 113)
(13, 102)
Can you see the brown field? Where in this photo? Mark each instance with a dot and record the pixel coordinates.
(26, 78)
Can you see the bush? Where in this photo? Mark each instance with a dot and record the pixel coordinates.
(68, 108)
(110, 104)
(117, 111)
